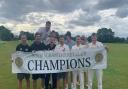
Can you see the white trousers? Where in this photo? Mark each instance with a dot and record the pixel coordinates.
(80, 74)
(99, 74)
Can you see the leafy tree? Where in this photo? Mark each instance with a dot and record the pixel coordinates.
(119, 40)
(89, 39)
(29, 35)
(105, 35)
(5, 34)
(127, 39)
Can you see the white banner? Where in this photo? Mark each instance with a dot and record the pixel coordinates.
(53, 62)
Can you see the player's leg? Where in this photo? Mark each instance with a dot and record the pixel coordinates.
(54, 81)
(42, 76)
(59, 76)
(74, 79)
(35, 77)
(86, 78)
(99, 74)
(19, 84)
(81, 78)
(27, 77)
(71, 76)
(20, 77)
(47, 78)
(65, 80)
(90, 78)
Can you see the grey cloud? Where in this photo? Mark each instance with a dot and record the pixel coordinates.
(14, 9)
(66, 5)
(70, 26)
(122, 12)
(107, 4)
(86, 19)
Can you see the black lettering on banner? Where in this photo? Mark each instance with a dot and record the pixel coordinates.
(80, 63)
(59, 64)
(32, 68)
(73, 61)
(38, 63)
(54, 65)
(67, 64)
(62, 63)
(88, 62)
(46, 65)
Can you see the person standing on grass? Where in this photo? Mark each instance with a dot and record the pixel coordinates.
(24, 47)
(45, 32)
(99, 72)
(38, 46)
(70, 43)
(51, 46)
(79, 73)
(61, 48)
(84, 42)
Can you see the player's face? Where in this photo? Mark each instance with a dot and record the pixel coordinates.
(94, 39)
(38, 38)
(52, 40)
(23, 39)
(82, 42)
(61, 40)
(78, 40)
(53, 34)
(68, 38)
(48, 26)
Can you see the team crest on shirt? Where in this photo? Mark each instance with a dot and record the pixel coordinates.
(26, 49)
(99, 57)
(21, 49)
(18, 62)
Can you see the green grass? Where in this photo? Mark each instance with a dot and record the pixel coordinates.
(115, 76)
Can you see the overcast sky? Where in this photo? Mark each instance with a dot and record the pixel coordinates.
(78, 16)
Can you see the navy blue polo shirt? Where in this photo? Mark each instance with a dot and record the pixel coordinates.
(38, 46)
(23, 48)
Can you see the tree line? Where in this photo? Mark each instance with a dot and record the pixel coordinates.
(105, 35)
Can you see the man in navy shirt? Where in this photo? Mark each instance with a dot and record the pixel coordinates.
(38, 46)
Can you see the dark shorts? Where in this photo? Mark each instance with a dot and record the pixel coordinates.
(37, 76)
(62, 75)
(21, 76)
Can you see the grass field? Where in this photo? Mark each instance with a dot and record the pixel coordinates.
(115, 76)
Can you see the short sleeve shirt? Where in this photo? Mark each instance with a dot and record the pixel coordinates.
(78, 47)
(70, 44)
(98, 44)
(38, 47)
(61, 48)
(23, 48)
